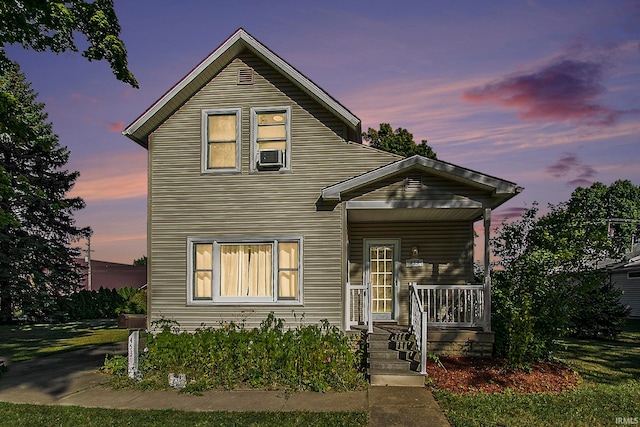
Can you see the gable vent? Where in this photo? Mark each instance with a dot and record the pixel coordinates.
(245, 76)
(413, 183)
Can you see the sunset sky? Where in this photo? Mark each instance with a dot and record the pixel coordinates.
(542, 93)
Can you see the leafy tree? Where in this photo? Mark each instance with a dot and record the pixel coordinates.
(140, 261)
(53, 25)
(36, 225)
(549, 284)
(398, 142)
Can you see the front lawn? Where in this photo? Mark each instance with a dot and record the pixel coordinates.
(40, 415)
(24, 342)
(609, 394)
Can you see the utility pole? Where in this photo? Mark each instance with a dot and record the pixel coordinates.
(87, 257)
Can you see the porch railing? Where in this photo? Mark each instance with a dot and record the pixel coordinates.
(453, 305)
(419, 320)
(358, 306)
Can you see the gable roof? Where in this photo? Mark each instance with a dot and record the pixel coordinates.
(501, 190)
(140, 129)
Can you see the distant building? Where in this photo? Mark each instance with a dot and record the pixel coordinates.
(625, 275)
(113, 275)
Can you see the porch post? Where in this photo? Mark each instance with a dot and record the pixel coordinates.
(487, 270)
(344, 266)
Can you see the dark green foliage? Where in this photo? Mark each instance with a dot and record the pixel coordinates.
(140, 261)
(134, 301)
(600, 313)
(549, 286)
(37, 226)
(54, 25)
(100, 304)
(399, 142)
(84, 304)
(313, 357)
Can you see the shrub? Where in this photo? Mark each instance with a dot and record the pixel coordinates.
(134, 301)
(598, 310)
(313, 357)
(84, 304)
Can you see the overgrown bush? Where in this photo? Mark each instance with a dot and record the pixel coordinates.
(308, 357)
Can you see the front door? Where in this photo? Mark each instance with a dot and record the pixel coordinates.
(380, 274)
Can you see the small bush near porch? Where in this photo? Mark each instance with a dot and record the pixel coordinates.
(312, 357)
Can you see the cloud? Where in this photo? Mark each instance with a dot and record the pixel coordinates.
(563, 90)
(81, 97)
(116, 127)
(111, 177)
(510, 213)
(570, 165)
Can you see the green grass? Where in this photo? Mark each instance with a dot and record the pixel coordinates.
(24, 342)
(611, 389)
(38, 415)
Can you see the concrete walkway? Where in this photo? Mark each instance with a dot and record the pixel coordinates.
(72, 379)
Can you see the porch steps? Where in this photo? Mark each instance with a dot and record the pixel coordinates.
(392, 359)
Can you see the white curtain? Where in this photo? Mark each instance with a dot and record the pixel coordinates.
(246, 271)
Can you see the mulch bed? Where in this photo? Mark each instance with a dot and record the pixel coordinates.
(468, 375)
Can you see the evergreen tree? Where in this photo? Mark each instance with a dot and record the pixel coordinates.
(398, 142)
(36, 223)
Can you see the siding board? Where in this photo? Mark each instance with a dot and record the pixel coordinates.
(186, 203)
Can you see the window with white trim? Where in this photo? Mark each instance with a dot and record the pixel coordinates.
(271, 138)
(260, 271)
(221, 140)
(633, 275)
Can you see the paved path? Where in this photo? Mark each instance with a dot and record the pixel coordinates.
(72, 379)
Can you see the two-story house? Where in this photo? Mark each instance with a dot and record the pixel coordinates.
(262, 199)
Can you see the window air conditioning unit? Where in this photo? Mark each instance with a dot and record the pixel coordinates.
(271, 158)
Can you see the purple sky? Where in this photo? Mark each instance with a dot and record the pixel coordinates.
(542, 93)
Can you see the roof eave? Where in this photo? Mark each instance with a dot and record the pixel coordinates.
(161, 109)
(503, 190)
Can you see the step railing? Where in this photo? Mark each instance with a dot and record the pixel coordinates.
(418, 319)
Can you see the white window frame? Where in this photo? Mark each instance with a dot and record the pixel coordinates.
(205, 142)
(633, 275)
(216, 298)
(254, 152)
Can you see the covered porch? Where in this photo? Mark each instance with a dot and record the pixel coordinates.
(408, 250)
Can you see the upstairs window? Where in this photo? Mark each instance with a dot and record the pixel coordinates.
(271, 138)
(221, 140)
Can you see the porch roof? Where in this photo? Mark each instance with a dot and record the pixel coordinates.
(496, 191)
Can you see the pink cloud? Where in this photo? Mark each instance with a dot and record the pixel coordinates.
(565, 90)
(81, 97)
(116, 127)
(112, 178)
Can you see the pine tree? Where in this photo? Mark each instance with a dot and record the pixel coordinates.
(37, 227)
